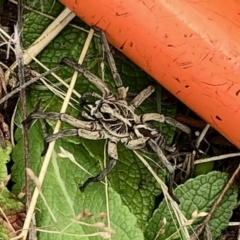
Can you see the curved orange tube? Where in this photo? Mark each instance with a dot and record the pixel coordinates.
(191, 47)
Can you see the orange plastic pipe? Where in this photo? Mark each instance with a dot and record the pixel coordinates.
(191, 47)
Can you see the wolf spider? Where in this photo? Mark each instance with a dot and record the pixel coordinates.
(113, 118)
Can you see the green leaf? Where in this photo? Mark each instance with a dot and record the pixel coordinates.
(10, 206)
(203, 168)
(12, 214)
(4, 158)
(196, 194)
(14, 210)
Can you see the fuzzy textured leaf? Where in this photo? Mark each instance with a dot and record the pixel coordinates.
(196, 194)
(11, 207)
(4, 158)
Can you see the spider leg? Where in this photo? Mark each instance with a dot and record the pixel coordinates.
(175, 123)
(87, 116)
(142, 96)
(53, 137)
(88, 126)
(84, 97)
(122, 91)
(84, 133)
(87, 134)
(112, 152)
(63, 118)
(91, 77)
(135, 144)
(61, 134)
(167, 164)
(161, 118)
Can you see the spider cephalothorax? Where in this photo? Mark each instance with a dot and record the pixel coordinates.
(113, 118)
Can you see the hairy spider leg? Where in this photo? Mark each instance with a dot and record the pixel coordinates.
(52, 137)
(63, 118)
(175, 123)
(142, 96)
(113, 155)
(162, 119)
(84, 133)
(135, 144)
(122, 91)
(167, 164)
(91, 77)
(84, 97)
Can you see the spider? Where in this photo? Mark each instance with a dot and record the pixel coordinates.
(113, 118)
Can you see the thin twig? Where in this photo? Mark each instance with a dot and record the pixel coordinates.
(202, 135)
(215, 158)
(215, 205)
(21, 77)
(18, 89)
